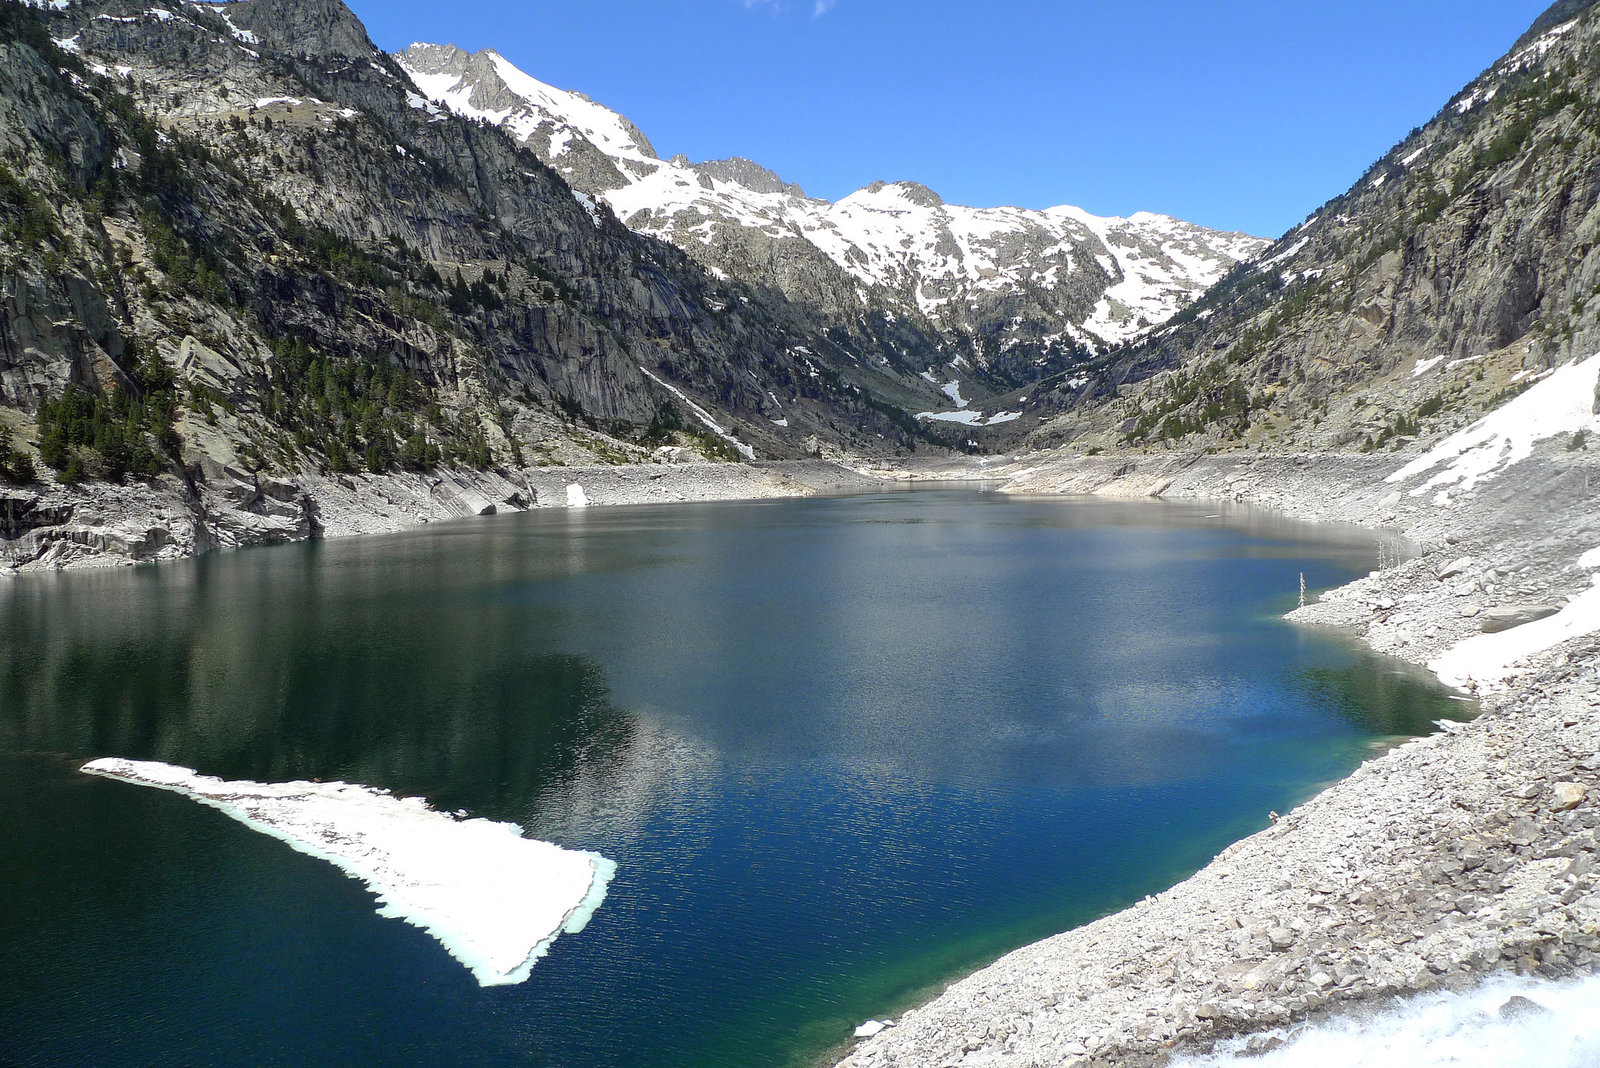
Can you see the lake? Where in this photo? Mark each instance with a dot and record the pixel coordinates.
(842, 750)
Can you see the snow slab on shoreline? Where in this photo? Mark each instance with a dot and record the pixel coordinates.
(1552, 1025)
(1487, 659)
(494, 899)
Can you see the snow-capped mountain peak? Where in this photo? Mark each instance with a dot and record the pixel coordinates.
(1017, 285)
(554, 122)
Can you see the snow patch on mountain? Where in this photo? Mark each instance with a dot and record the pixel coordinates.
(564, 117)
(701, 414)
(1561, 404)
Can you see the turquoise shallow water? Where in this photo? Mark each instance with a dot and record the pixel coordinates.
(842, 750)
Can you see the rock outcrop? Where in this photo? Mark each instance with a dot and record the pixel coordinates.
(240, 238)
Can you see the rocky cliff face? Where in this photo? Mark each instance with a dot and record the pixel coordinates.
(240, 249)
(1013, 293)
(1460, 267)
(238, 240)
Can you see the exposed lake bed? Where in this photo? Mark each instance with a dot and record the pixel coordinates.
(840, 749)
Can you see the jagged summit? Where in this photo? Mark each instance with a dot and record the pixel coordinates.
(741, 171)
(913, 193)
(321, 28)
(1017, 292)
(593, 147)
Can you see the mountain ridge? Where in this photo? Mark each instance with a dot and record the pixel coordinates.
(241, 251)
(1467, 250)
(246, 247)
(1012, 290)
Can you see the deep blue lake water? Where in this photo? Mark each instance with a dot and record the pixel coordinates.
(842, 750)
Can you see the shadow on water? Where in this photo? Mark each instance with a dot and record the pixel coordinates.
(180, 679)
(1384, 697)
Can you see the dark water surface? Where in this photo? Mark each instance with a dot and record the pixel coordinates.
(841, 750)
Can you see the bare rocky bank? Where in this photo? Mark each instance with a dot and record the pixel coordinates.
(1434, 864)
(50, 527)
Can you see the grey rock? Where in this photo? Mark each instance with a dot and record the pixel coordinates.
(1504, 617)
(1518, 1007)
(1568, 795)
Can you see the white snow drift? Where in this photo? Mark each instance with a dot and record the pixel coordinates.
(1487, 659)
(494, 899)
(1484, 1028)
(1560, 404)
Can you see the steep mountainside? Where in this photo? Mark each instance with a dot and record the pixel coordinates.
(1457, 270)
(237, 240)
(1016, 292)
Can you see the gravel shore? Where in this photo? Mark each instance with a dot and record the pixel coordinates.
(1442, 860)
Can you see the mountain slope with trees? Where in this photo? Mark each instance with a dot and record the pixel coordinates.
(236, 238)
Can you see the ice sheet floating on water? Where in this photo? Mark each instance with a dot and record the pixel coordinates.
(494, 899)
(1483, 1028)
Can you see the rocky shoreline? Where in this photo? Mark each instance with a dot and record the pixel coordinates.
(53, 527)
(1450, 857)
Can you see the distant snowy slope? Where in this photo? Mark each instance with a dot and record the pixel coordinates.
(1035, 285)
(579, 138)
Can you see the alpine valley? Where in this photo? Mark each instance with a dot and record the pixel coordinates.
(261, 281)
(1007, 291)
(251, 256)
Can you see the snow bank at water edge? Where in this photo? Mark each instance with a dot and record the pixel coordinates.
(1487, 659)
(1560, 403)
(1506, 1023)
(494, 899)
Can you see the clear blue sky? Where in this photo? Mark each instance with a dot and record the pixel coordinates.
(1238, 114)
